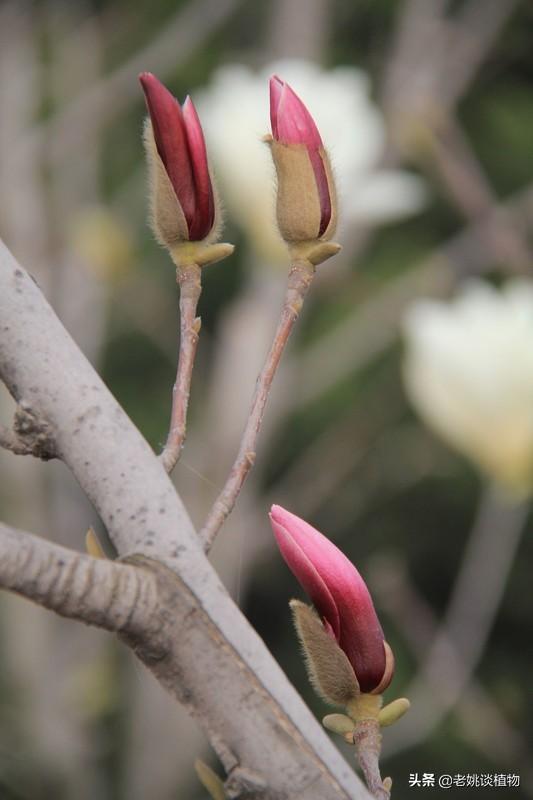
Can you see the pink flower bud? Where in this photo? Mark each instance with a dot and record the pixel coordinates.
(292, 124)
(181, 147)
(340, 596)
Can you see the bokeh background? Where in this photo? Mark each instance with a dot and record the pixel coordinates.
(430, 109)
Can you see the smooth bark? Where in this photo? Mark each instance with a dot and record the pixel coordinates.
(186, 629)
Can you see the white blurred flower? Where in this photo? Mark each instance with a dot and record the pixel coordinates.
(103, 241)
(469, 372)
(235, 116)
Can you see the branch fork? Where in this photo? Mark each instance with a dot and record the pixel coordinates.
(31, 434)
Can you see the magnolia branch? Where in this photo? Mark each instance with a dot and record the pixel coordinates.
(96, 591)
(187, 630)
(189, 279)
(300, 278)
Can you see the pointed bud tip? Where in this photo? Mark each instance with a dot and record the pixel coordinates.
(147, 80)
(191, 115)
(279, 515)
(279, 512)
(294, 123)
(276, 86)
(155, 90)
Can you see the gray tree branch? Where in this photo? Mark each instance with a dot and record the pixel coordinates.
(96, 591)
(190, 633)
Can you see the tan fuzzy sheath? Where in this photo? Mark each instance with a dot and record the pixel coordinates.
(329, 670)
(332, 225)
(298, 203)
(166, 215)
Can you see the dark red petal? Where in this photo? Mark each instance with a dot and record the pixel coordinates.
(204, 216)
(171, 140)
(322, 186)
(362, 641)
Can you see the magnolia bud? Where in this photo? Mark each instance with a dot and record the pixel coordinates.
(306, 198)
(340, 596)
(182, 195)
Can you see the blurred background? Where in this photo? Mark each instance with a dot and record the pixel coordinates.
(391, 421)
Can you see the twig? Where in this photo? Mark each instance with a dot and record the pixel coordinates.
(473, 605)
(425, 128)
(24, 218)
(364, 711)
(445, 148)
(367, 740)
(189, 281)
(300, 28)
(478, 25)
(96, 106)
(300, 277)
(481, 582)
(39, 361)
(436, 56)
(417, 623)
